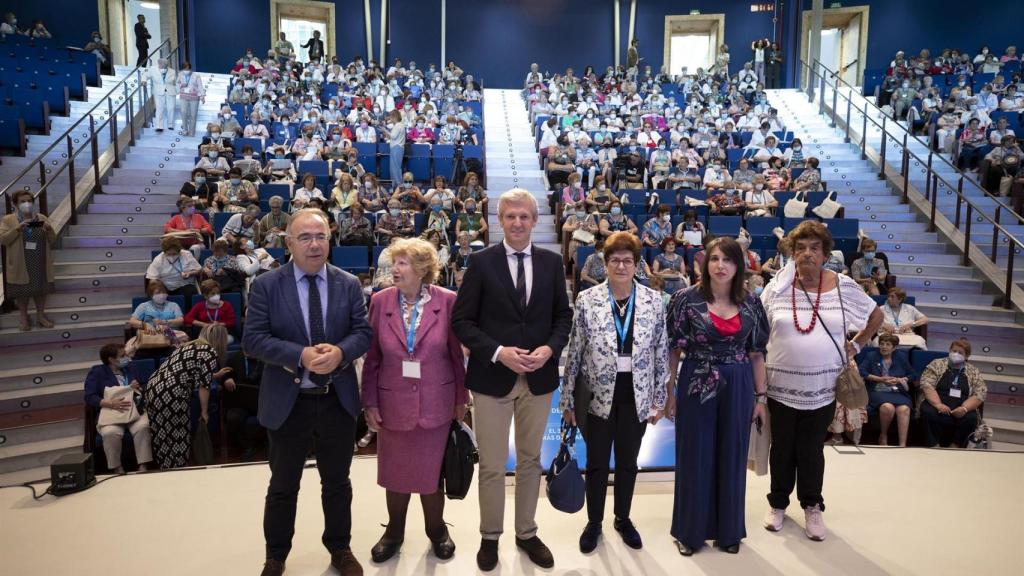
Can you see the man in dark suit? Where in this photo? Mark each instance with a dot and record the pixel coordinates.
(316, 47)
(142, 37)
(307, 345)
(513, 314)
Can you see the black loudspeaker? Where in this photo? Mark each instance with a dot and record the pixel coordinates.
(71, 473)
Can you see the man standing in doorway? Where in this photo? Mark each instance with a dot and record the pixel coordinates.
(316, 47)
(142, 40)
(284, 49)
(308, 393)
(633, 57)
(513, 314)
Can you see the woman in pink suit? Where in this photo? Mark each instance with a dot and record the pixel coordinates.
(413, 386)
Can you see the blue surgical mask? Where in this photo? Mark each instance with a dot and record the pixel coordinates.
(200, 180)
(869, 255)
(616, 210)
(758, 290)
(436, 207)
(236, 181)
(123, 362)
(394, 212)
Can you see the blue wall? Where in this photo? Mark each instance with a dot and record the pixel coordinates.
(415, 32)
(70, 21)
(554, 33)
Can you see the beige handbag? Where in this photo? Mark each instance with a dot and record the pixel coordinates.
(796, 207)
(583, 237)
(829, 207)
(851, 391)
(110, 416)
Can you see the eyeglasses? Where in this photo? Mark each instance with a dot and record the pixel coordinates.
(615, 262)
(308, 239)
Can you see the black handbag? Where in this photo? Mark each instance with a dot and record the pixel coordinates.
(460, 457)
(202, 446)
(565, 486)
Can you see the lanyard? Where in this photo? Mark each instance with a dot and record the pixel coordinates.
(410, 331)
(177, 265)
(622, 326)
(212, 314)
(896, 316)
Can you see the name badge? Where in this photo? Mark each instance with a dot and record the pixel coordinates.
(411, 369)
(30, 245)
(954, 392)
(624, 363)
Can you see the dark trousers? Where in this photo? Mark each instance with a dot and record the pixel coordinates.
(797, 454)
(322, 423)
(712, 438)
(242, 426)
(943, 429)
(143, 54)
(624, 431)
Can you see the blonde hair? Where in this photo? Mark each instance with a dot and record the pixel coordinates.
(518, 196)
(216, 336)
(421, 254)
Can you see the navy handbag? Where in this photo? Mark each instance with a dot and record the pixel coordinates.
(565, 486)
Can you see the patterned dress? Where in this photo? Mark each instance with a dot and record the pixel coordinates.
(168, 399)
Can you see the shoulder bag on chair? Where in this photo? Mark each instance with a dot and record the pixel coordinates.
(566, 489)
(796, 207)
(851, 391)
(829, 207)
(582, 236)
(110, 416)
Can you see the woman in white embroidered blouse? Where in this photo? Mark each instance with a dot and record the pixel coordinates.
(901, 319)
(810, 312)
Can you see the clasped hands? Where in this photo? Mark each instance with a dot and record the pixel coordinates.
(523, 361)
(322, 358)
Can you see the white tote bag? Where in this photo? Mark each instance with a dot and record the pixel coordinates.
(796, 207)
(829, 208)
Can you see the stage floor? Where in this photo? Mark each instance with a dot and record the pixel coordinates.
(890, 511)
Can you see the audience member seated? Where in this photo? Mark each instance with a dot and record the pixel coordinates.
(302, 195)
(174, 269)
(599, 199)
(726, 202)
(395, 223)
(442, 191)
(344, 196)
(156, 315)
(217, 141)
(222, 267)
(409, 194)
(658, 228)
(633, 172)
(189, 227)
(670, 267)
(244, 225)
(810, 179)
(235, 194)
(115, 370)
(249, 167)
(777, 262)
(952, 390)
(199, 190)
(901, 319)
(354, 229)
(743, 176)
(561, 162)
(382, 274)
(580, 227)
(239, 401)
(947, 124)
(372, 195)
(758, 201)
(776, 177)
(716, 176)
(573, 192)
(794, 156)
(211, 310)
(471, 188)
(438, 218)
(274, 223)
(690, 229)
(753, 263)
(972, 142)
(888, 375)
(472, 222)
(869, 271)
(594, 271)
(279, 168)
(616, 221)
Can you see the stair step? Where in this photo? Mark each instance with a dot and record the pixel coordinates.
(15, 436)
(120, 296)
(962, 312)
(131, 201)
(932, 270)
(100, 255)
(109, 329)
(38, 454)
(41, 398)
(152, 242)
(114, 230)
(137, 267)
(71, 283)
(1011, 431)
(75, 314)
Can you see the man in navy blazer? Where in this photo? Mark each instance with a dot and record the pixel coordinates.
(307, 322)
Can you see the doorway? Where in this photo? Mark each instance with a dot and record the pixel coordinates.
(844, 41)
(117, 26)
(298, 19)
(151, 11)
(692, 41)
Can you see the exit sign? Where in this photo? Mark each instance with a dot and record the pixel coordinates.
(836, 5)
(695, 12)
(763, 7)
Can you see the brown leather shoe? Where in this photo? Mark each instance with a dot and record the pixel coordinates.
(345, 562)
(273, 568)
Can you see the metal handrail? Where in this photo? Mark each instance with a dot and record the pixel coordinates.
(969, 179)
(66, 137)
(932, 178)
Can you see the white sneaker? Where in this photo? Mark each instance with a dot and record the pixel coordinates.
(773, 519)
(814, 523)
(365, 440)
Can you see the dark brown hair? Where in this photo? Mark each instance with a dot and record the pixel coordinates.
(154, 286)
(812, 230)
(112, 350)
(207, 287)
(962, 343)
(890, 338)
(622, 242)
(729, 248)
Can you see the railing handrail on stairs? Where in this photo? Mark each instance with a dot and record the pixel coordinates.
(820, 75)
(131, 86)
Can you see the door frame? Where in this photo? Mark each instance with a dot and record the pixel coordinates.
(300, 6)
(692, 23)
(840, 18)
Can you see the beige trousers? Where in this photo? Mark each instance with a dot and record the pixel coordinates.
(492, 419)
(114, 434)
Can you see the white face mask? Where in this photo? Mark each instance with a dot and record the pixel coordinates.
(956, 358)
(215, 299)
(25, 207)
(160, 298)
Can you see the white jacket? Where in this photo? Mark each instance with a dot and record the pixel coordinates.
(162, 86)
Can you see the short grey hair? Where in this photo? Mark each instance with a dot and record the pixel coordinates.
(311, 213)
(275, 200)
(518, 196)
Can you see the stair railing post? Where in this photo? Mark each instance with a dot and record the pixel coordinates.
(881, 150)
(1007, 300)
(995, 234)
(935, 201)
(849, 103)
(959, 201)
(905, 170)
(966, 260)
(94, 144)
(71, 180)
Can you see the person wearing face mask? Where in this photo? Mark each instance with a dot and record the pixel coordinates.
(280, 168)
(472, 222)
(952, 389)
(657, 228)
(443, 192)
(174, 268)
(213, 164)
(438, 219)
(255, 128)
(116, 371)
(302, 195)
(616, 221)
(236, 194)
(164, 87)
(810, 179)
(249, 165)
(421, 133)
(794, 155)
(102, 51)
(212, 309)
(396, 222)
(366, 133)
(372, 195)
(189, 226)
(396, 143)
(191, 92)
(902, 100)
(757, 200)
(274, 223)
(28, 237)
(948, 124)
(869, 270)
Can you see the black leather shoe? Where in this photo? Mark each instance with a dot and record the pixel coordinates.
(344, 561)
(588, 540)
(487, 556)
(734, 549)
(539, 553)
(272, 568)
(444, 548)
(684, 549)
(385, 549)
(629, 534)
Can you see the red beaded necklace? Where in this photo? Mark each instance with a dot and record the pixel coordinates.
(814, 309)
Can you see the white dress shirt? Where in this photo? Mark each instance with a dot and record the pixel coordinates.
(513, 270)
